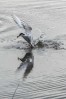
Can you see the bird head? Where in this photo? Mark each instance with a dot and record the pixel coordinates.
(21, 34)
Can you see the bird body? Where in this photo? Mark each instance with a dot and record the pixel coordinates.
(27, 38)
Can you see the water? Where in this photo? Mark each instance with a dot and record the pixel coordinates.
(46, 79)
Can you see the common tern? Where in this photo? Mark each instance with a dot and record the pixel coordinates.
(27, 35)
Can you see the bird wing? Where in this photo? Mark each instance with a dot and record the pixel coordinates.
(17, 21)
(22, 24)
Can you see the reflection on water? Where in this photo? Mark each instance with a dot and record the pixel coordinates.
(49, 17)
(28, 62)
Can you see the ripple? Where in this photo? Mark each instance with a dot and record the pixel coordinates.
(46, 88)
(6, 23)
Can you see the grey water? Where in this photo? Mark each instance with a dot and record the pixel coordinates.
(41, 72)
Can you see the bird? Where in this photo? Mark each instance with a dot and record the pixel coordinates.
(27, 35)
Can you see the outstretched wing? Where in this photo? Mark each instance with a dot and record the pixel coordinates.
(22, 24)
(17, 21)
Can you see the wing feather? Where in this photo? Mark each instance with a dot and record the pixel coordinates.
(22, 24)
(17, 21)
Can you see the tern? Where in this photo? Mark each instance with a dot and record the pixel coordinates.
(27, 35)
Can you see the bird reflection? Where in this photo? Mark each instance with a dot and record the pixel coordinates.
(28, 62)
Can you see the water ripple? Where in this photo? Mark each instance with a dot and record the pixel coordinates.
(52, 88)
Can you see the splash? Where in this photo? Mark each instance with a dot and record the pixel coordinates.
(10, 41)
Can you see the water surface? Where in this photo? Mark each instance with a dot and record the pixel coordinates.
(47, 77)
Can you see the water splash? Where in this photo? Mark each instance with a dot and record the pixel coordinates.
(11, 42)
